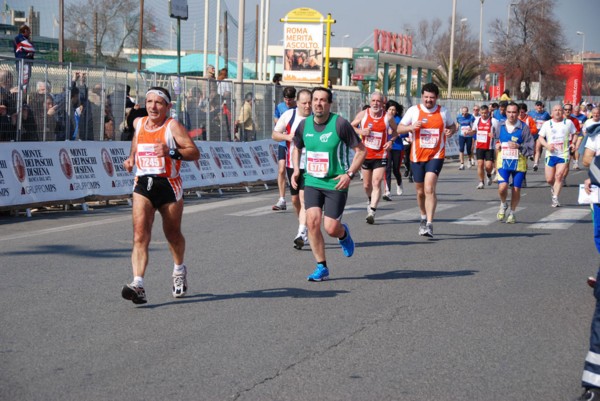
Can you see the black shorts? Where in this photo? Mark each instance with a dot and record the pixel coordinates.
(485, 154)
(372, 164)
(157, 189)
(332, 202)
(281, 152)
(290, 172)
(420, 168)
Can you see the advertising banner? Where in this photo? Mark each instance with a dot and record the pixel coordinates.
(366, 62)
(39, 172)
(303, 47)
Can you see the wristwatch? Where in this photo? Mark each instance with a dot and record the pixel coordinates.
(175, 154)
(350, 174)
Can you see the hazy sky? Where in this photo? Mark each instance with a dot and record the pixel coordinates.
(358, 19)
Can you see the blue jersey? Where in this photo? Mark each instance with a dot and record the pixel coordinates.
(398, 144)
(540, 118)
(514, 159)
(499, 116)
(279, 110)
(466, 122)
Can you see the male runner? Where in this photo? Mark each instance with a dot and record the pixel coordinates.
(514, 144)
(374, 124)
(327, 138)
(486, 129)
(555, 136)
(464, 125)
(158, 146)
(284, 130)
(429, 124)
(540, 116)
(289, 102)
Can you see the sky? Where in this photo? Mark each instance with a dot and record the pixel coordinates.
(358, 19)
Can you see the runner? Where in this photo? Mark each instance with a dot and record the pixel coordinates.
(289, 102)
(533, 130)
(157, 148)
(396, 154)
(285, 130)
(327, 138)
(374, 125)
(486, 128)
(575, 139)
(464, 125)
(429, 124)
(555, 136)
(514, 145)
(540, 116)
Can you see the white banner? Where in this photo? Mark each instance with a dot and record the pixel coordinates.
(303, 58)
(38, 172)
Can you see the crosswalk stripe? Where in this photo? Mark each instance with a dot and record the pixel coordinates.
(482, 218)
(561, 219)
(415, 213)
(355, 208)
(224, 203)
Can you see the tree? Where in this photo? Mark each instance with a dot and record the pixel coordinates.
(532, 47)
(118, 25)
(425, 38)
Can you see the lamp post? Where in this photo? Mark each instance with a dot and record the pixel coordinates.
(582, 34)
(344, 38)
(480, 30)
(451, 61)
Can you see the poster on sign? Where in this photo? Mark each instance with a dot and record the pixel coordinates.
(303, 47)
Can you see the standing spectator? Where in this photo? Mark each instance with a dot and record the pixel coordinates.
(28, 126)
(224, 88)
(246, 122)
(24, 50)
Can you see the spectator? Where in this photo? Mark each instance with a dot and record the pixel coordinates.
(24, 50)
(246, 122)
(29, 131)
(224, 88)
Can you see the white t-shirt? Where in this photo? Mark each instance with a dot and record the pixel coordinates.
(587, 123)
(281, 127)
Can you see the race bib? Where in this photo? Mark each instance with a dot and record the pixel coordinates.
(482, 136)
(317, 164)
(147, 161)
(429, 137)
(373, 141)
(465, 130)
(509, 153)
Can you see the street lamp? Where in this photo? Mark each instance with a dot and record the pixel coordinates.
(344, 38)
(451, 61)
(582, 34)
(480, 29)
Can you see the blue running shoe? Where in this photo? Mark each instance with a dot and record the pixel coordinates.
(321, 273)
(348, 243)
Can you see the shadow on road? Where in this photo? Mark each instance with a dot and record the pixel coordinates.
(267, 293)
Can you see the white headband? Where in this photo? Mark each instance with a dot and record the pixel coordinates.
(159, 93)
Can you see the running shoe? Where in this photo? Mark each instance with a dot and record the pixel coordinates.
(576, 165)
(371, 217)
(321, 273)
(502, 212)
(480, 185)
(461, 167)
(591, 281)
(299, 241)
(180, 283)
(511, 219)
(555, 202)
(428, 230)
(133, 293)
(535, 167)
(489, 180)
(280, 205)
(422, 227)
(471, 164)
(387, 197)
(347, 244)
(399, 189)
(589, 394)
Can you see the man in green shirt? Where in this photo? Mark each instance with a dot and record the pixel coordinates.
(328, 139)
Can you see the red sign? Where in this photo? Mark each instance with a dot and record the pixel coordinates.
(392, 42)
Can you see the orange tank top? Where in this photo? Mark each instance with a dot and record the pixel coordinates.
(146, 160)
(429, 140)
(379, 128)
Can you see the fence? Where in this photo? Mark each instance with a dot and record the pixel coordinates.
(43, 101)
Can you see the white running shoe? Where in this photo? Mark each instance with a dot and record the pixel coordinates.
(399, 189)
(461, 167)
(280, 205)
(480, 185)
(555, 202)
(371, 217)
(180, 283)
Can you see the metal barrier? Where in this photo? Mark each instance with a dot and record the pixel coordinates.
(44, 101)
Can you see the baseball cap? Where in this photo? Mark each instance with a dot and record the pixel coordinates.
(539, 103)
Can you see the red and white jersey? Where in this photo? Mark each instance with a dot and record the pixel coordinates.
(379, 132)
(486, 130)
(287, 124)
(429, 141)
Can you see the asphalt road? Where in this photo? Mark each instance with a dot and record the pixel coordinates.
(484, 311)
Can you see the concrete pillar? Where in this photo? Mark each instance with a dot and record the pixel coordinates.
(398, 74)
(419, 80)
(408, 80)
(345, 72)
(429, 74)
(272, 60)
(386, 78)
